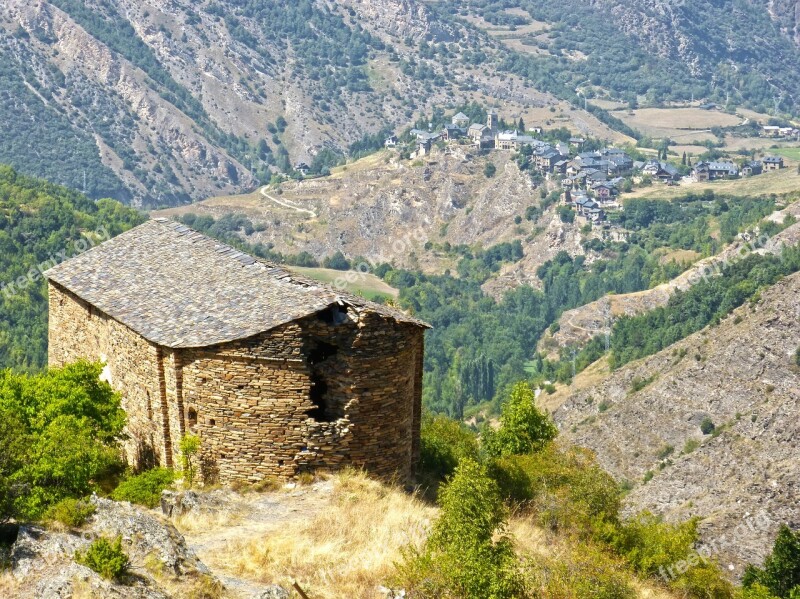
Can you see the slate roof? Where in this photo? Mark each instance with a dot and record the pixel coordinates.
(179, 288)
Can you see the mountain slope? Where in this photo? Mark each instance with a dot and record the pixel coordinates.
(644, 421)
(745, 51)
(171, 102)
(164, 103)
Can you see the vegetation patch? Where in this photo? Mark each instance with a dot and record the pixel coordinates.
(145, 488)
(106, 557)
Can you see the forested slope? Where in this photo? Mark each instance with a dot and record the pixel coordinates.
(41, 223)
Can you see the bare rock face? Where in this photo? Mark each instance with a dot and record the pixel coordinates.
(43, 565)
(644, 420)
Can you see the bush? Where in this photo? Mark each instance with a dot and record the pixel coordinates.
(190, 446)
(566, 214)
(489, 170)
(690, 445)
(145, 488)
(652, 546)
(586, 570)
(337, 262)
(523, 427)
(12, 447)
(564, 487)
(707, 426)
(70, 512)
(105, 557)
(444, 443)
(467, 553)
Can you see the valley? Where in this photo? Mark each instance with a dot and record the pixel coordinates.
(588, 212)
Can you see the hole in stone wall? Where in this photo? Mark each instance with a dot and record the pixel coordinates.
(212, 422)
(192, 417)
(319, 397)
(319, 351)
(333, 314)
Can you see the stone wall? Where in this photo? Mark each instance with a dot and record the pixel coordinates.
(325, 391)
(80, 332)
(255, 409)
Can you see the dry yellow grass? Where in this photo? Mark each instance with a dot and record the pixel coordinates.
(591, 376)
(778, 182)
(680, 257)
(9, 587)
(347, 549)
(679, 118)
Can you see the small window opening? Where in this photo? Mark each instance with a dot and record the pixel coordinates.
(319, 397)
(212, 422)
(192, 417)
(333, 315)
(319, 351)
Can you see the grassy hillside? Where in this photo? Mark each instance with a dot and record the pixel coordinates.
(41, 223)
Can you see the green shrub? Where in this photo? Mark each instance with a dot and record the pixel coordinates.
(523, 427)
(585, 570)
(665, 451)
(690, 445)
(70, 512)
(489, 170)
(707, 426)
(190, 446)
(12, 451)
(565, 488)
(145, 488)
(704, 580)
(797, 357)
(105, 557)
(443, 444)
(69, 421)
(652, 546)
(467, 553)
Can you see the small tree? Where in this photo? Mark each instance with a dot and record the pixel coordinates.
(190, 446)
(489, 170)
(523, 427)
(781, 571)
(468, 553)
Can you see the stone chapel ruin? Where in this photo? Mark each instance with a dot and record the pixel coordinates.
(277, 374)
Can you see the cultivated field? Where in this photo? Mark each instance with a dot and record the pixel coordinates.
(364, 284)
(778, 182)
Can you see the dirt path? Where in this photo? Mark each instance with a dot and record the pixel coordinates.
(285, 204)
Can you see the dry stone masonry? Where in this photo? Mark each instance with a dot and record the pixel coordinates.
(276, 373)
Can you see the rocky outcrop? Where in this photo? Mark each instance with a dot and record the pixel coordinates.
(43, 561)
(644, 421)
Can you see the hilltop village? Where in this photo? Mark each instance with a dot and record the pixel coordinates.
(591, 179)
